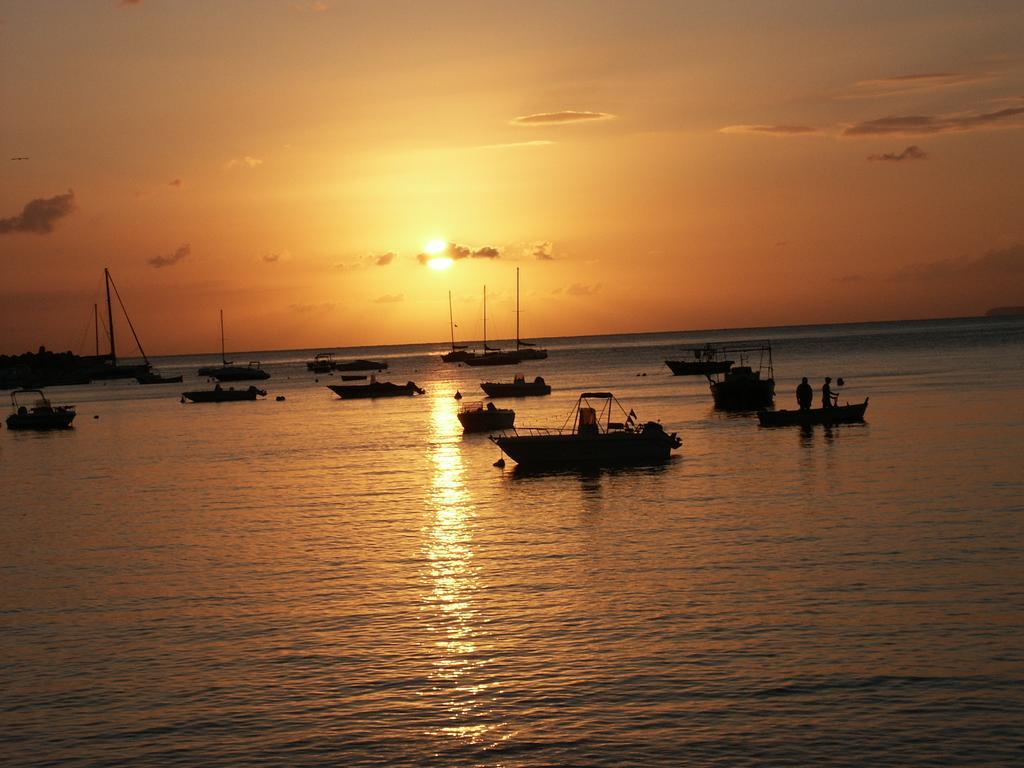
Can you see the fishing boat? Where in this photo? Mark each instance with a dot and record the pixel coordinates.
(850, 413)
(490, 355)
(459, 353)
(228, 371)
(361, 365)
(593, 439)
(705, 361)
(220, 395)
(30, 409)
(742, 388)
(375, 389)
(106, 367)
(322, 362)
(476, 417)
(525, 350)
(518, 387)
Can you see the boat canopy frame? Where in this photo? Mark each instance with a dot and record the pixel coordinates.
(744, 351)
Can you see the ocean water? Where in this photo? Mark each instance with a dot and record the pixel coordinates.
(327, 582)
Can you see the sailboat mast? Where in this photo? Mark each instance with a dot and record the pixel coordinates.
(110, 317)
(451, 320)
(223, 358)
(485, 319)
(517, 309)
(96, 326)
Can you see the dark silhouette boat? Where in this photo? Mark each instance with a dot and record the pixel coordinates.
(361, 365)
(152, 377)
(518, 387)
(525, 350)
(459, 353)
(850, 413)
(705, 360)
(592, 440)
(476, 417)
(106, 367)
(375, 389)
(228, 371)
(490, 356)
(741, 388)
(30, 409)
(322, 362)
(220, 395)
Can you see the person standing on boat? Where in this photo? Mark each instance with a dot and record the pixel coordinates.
(828, 400)
(804, 395)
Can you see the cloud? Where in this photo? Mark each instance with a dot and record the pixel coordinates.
(40, 215)
(305, 309)
(542, 251)
(246, 161)
(275, 257)
(369, 260)
(456, 252)
(928, 124)
(174, 183)
(998, 264)
(389, 298)
(514, 144)
(560, 118)
(579, 289)
(158, 262)
(912, 152)
(382, 260)
(901, 84)
(773, 130)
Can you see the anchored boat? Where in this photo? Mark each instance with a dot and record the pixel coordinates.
(30, 409)
(476, 417)
(592, 439)
(220, 395)
(519, 387)
(705, 361)
(227, 371)
(742, 388)
(837, 414)
(375, 389)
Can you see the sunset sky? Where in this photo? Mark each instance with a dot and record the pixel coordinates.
(647, 165)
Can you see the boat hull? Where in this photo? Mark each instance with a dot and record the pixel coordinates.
(360, 365)
(609, 449)
(238, 373)
(223, 395)
(842, 414)
(698, 367)
(155, 378)
(506, 389)
(487, 420)
(492, 358)
(374, 390)
(59, 418)
(743, 394)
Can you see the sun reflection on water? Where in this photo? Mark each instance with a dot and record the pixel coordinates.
(459, 656)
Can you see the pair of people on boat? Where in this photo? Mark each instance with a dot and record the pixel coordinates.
(805, 395)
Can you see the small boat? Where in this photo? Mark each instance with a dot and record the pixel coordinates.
(839, 414)
(322, 362)
(705, 361)
(490, 356)
(152, 377)
(227, 371)
(360, 365)
(40, 414)
(475, 417)
(519, 387)
(592, 440)
(220, 395)
(741, 388)
(107, 366)
(375, 389)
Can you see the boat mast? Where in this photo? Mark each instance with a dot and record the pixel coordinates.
(517, 309)
(96, 325)
(110, 317)
(451, 320)
(223, 359)
(485, 319)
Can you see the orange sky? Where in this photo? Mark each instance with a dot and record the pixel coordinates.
(648, 166)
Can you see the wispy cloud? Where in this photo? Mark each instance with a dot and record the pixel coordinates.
(542, 251)
(516, 144)
(275, 257)
(915, 83)
(930, 124)
(369, 260)
(247, 161)
(581, 289)
(997, 264)
(40, 215)
(306, 309)
(560, 118)
(383, 259)
(912, 152)
(456, 252)
(170, 259)
(773, 130)
(389, 298)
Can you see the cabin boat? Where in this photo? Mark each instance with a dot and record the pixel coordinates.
(361, 365)
(519, 387)
(742, 388)
(593, 439)
(375, 389)
(476, 417)
(705, 360)
(220, 395)
(322, 362)
(30, 409)
(850, 413)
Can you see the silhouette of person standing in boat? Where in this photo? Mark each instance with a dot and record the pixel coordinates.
(804, 394)
(828, 399)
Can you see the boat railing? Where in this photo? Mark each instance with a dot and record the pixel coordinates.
(535, 431)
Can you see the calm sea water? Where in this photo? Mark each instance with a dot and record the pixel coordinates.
(327, 582)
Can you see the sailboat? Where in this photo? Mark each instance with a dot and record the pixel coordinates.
(459, 354)
(525, 350)
(227, 371)
(106, 365)
(491, 356)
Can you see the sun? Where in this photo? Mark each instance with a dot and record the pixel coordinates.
(440, 262)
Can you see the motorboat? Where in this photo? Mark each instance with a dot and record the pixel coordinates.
(476, 417)
(322, 362)
(30, 409)
(742, 388)
(220, 395)
(702, 361)
(850, 413)
(518, 387)
(153, 377)
(375, 389)
(361, 365)
(593, 439)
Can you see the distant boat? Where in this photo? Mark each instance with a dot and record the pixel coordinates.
(220, 395)
(459, 354)
(30, 409)
(491, 356)
(840, 414)
(476, 417)
(322, 362)
(152, 377)
(106, 365)
(592, 440)
(741, 388)
(518, 387)
(361, 365)
(525, 350)
(375, 389)
(227, 371)
(706, 360)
